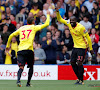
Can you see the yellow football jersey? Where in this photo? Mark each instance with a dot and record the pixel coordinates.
(27, 35)
(80, 36)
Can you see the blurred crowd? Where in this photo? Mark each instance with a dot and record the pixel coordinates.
(54, 44)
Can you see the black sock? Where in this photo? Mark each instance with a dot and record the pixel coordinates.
(81, 72)
(30, 73)
(19, 74)
(75, 69)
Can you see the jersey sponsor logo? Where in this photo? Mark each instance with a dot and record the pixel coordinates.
(68, 21)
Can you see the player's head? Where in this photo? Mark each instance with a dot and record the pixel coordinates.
(30, 20)
(73, 21)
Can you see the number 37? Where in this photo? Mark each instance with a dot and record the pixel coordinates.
(24, 35)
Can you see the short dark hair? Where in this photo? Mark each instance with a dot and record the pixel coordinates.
(49, 32)
(73, 17)
(96, 3)
(86, 16)
(30, 20)
(21, 8)
(55, 25)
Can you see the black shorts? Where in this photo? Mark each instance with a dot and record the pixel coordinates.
(78, 54)
(25, 56)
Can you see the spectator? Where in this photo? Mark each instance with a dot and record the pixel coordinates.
(3, 2)
(51, 4)
(53, 28)
(5, 34)
(89, 5)
(39, 53)
(13, 21)
(98, 56)
(85, 22)
(12, 4)
(2, 47)
(61, 10)
(58, 39)
(88, 58)
(50, 47)
(14, 45)
(35, 10)
(81, 3)
(27, 6)
(98, 1)
(39, 2)
(2, 21)
(10, 57)
(74, 8)
(77, 2)
(83, 12)
(20, 3)
(95, 8)
(63, 5)
(46, 8)
(96, 21)
(18, 26)
(21, 16)
(70, 13)
(8, 12)
(37, 21)
(94, 38)
(63, 57)
(67, 40)
(11, 27)
(60, 26)
(2, 9)
(44, 30)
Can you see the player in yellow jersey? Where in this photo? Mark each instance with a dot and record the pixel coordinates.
(81, 41)
(25, 48)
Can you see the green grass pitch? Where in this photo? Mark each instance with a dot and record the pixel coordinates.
(49, 85)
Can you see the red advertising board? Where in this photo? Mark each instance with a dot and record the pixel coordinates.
(65, 72)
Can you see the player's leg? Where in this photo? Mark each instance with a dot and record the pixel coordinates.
(21, 68)
(30, 62)
(21, 63)
(30, 73)
(73, 62)
(80, 59)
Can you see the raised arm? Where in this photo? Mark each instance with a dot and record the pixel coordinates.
(10, 38)
(46, 22)
(60, 19)
(40, 27)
